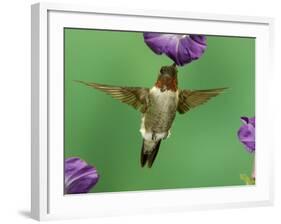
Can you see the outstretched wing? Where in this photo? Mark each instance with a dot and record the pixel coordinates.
(189, 99)
(137, 97)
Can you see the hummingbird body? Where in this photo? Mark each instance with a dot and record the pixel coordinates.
(160, 114)
(158, 118)
(158, 106)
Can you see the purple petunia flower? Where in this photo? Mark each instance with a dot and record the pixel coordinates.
(246, 133)
(79, 176)
(182, 49)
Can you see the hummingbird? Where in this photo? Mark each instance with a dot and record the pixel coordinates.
(158, 107)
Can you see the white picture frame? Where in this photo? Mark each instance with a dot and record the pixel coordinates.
(48, 201)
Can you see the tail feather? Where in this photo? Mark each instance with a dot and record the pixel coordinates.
(149, 152)
(144, 155)
(153, 155)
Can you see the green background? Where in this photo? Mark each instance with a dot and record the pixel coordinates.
(203, 149)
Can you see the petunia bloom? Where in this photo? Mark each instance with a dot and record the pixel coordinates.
(79, 176)
(182, 49)
(246, 133)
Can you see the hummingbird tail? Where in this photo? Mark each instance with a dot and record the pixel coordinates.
(149, 152)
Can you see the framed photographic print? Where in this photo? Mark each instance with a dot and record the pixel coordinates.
(148, 111)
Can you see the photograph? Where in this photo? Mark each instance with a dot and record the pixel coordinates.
(157, 111)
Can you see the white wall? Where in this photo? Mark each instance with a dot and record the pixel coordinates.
(15, 110)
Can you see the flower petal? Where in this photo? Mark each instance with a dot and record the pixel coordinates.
(245, 120)
(79, 176)
(158, 43)
(182, 49)
(252, 121)
(246, 133)
(200, 39)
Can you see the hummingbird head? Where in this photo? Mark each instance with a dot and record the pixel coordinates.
(167, 78)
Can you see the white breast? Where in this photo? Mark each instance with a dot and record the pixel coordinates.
(162, 99)
(164, 96)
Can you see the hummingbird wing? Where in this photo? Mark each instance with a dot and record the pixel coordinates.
(189, 99)
(137, 97)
